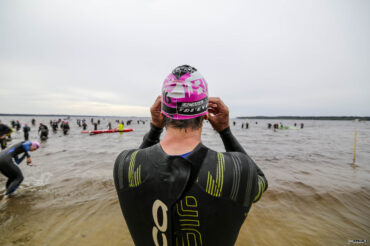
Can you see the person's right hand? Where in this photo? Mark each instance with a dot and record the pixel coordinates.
(157, 116)
(218, 114)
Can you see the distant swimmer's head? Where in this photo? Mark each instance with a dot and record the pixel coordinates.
(184, 94)
(35, 145)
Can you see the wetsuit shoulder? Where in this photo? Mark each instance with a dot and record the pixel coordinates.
(130, 168)
(229, 175)
(26, 145)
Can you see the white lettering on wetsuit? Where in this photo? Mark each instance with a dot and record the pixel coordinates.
(163, 228)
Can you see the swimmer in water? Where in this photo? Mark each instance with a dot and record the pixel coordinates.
(44, 131)
(65, 127)
(11, 169)
(17, 125)
(55, 126)
(177, 191)
(84, 125)
(26, 130)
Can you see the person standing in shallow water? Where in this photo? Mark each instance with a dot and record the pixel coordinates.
(44, 131)
(26, 130)
(84, 125)
(65, 128)
(177, 191)
(10, 169)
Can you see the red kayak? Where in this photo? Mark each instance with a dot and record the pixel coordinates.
(106, 131)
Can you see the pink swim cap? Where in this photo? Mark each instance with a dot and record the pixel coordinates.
(184, 94)
(36, 145)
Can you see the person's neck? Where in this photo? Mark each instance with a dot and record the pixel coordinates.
(178, 142)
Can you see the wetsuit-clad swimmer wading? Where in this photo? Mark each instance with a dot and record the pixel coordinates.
(177, 191)
(44, 131)
(26, 130)
(10, 169)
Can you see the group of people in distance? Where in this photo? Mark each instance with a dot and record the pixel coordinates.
(175, 190)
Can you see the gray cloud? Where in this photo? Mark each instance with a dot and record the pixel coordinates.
(110, 57)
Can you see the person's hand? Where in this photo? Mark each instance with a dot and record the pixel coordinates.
(29, 160)
(218, 114)
(157, 116)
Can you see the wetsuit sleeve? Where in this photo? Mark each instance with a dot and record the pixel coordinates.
(25, 147)
(230, 142)
(19, 160)
(232, 145)
(152, 137)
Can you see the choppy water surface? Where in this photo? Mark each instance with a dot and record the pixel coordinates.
(316, 195)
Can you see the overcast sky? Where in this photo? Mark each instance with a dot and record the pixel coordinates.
(278, 57)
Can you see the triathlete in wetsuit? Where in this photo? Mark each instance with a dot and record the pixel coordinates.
(84, 125)
(11, 170)
(66, 127)
(44, 131)
(26, 130)
(55, 126)
(17, 125)
(178, 191)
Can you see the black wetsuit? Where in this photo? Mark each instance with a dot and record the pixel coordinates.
(26, 130)
(55, 126)
(65, 128)
(44, 131)
(18, 126)
(4, 130)
(200, 199)
(11, 170)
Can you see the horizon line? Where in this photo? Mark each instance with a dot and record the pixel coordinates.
(237, 117)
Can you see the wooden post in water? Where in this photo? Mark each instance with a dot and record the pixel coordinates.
(354, 148)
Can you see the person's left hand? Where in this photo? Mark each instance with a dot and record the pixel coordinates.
(29, 161)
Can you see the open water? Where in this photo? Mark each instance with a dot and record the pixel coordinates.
(316, 195)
